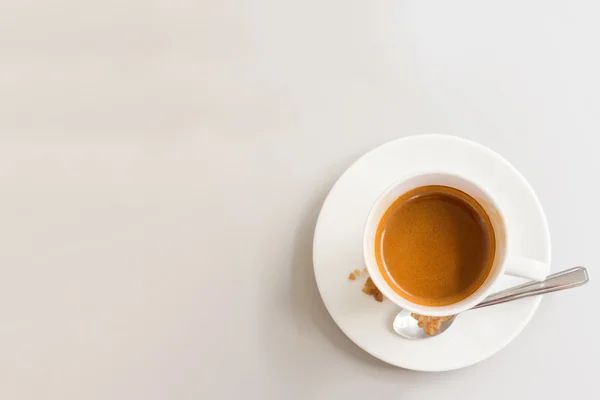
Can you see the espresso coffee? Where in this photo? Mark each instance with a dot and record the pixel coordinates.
(435, 245)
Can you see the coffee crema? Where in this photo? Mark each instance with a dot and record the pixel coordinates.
(435, 245)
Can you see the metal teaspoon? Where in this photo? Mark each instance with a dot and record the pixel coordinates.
(406, 326)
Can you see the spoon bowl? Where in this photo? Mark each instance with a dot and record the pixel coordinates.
(408, 327)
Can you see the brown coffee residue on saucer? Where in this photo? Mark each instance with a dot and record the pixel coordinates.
(371, 290)
(369, 287)
(431, 325)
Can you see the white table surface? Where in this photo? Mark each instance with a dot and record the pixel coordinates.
(162, 164)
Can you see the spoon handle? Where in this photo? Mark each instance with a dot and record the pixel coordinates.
(566, 279)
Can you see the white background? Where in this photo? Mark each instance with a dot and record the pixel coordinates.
(162, 164)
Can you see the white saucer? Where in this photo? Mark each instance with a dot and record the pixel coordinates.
(337, 251)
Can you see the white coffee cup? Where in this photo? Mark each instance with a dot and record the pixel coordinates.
(505, 261)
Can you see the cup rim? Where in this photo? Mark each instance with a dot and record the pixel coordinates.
(433, 311)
